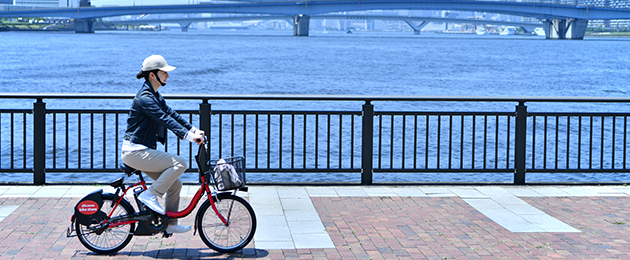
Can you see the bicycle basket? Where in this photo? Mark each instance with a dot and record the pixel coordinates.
(228, 173)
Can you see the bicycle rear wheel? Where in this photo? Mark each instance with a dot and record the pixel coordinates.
(109, 240)
(239, 230)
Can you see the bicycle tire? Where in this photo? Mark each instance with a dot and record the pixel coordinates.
(111, 240)
(241, 224)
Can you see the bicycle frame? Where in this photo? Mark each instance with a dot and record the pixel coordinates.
(205, 188)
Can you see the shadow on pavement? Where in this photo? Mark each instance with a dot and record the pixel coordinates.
(194, 253)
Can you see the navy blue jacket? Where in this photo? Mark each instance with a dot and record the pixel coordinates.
(150, 117)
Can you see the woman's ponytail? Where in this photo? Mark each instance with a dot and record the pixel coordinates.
(145, 74)
(141, 75)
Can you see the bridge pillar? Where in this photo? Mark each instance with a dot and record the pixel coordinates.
(573, 29)
(184, 26)
(300, 25)
(84, 25)
(526, 31)
(417, 28)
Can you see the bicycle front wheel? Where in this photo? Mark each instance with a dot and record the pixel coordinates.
(108, 240)
(240, 227)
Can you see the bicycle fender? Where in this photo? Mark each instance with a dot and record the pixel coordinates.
(88, 209)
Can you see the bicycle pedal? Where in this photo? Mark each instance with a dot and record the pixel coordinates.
(166, 234)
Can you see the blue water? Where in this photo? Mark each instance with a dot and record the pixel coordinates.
(362, 63)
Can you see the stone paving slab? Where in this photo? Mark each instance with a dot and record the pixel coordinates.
(361, 223)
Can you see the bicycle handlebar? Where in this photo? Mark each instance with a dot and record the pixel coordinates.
(201, 140)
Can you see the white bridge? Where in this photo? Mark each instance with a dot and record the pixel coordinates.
(415, 22)
(560, 21)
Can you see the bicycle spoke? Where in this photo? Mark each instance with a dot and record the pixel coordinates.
(237, 233)
(110, 240)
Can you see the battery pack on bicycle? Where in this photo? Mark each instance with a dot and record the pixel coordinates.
(106, 222)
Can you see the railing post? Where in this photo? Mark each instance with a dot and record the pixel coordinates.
(39, 142)
(520, 145)
(204, 120)
(367, 141)
(204, 116)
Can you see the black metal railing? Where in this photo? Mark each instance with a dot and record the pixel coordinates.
(594, 142)
(364, 141)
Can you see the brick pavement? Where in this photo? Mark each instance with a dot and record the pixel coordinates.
(361, 228)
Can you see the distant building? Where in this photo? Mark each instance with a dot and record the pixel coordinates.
(608, 3)
(595, 3)
(592, 3)
(41, 3)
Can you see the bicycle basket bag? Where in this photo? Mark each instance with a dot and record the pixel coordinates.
(228, 173)
(203, 158)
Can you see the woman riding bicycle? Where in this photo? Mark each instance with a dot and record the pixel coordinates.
(147, 123)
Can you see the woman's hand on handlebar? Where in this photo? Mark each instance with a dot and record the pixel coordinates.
(201, 139)
(197, 136)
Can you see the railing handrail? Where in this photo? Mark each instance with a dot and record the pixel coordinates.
(302, 97)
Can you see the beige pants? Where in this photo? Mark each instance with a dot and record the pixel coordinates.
(164, 169)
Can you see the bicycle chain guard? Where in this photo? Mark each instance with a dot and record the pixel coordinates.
(156, 224)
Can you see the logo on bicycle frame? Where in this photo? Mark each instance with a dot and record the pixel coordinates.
(87, 207)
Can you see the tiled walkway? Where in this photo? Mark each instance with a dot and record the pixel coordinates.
(358, 222)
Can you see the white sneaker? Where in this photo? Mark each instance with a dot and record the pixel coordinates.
(151, 201)
(177, 229)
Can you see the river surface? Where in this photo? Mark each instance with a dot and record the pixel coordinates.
(335, 63)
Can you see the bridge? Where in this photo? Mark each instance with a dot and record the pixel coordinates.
(559, 21)
(415, 22)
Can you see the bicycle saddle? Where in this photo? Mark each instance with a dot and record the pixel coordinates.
(128, 169)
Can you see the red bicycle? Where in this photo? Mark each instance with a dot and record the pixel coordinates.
(106, 222)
